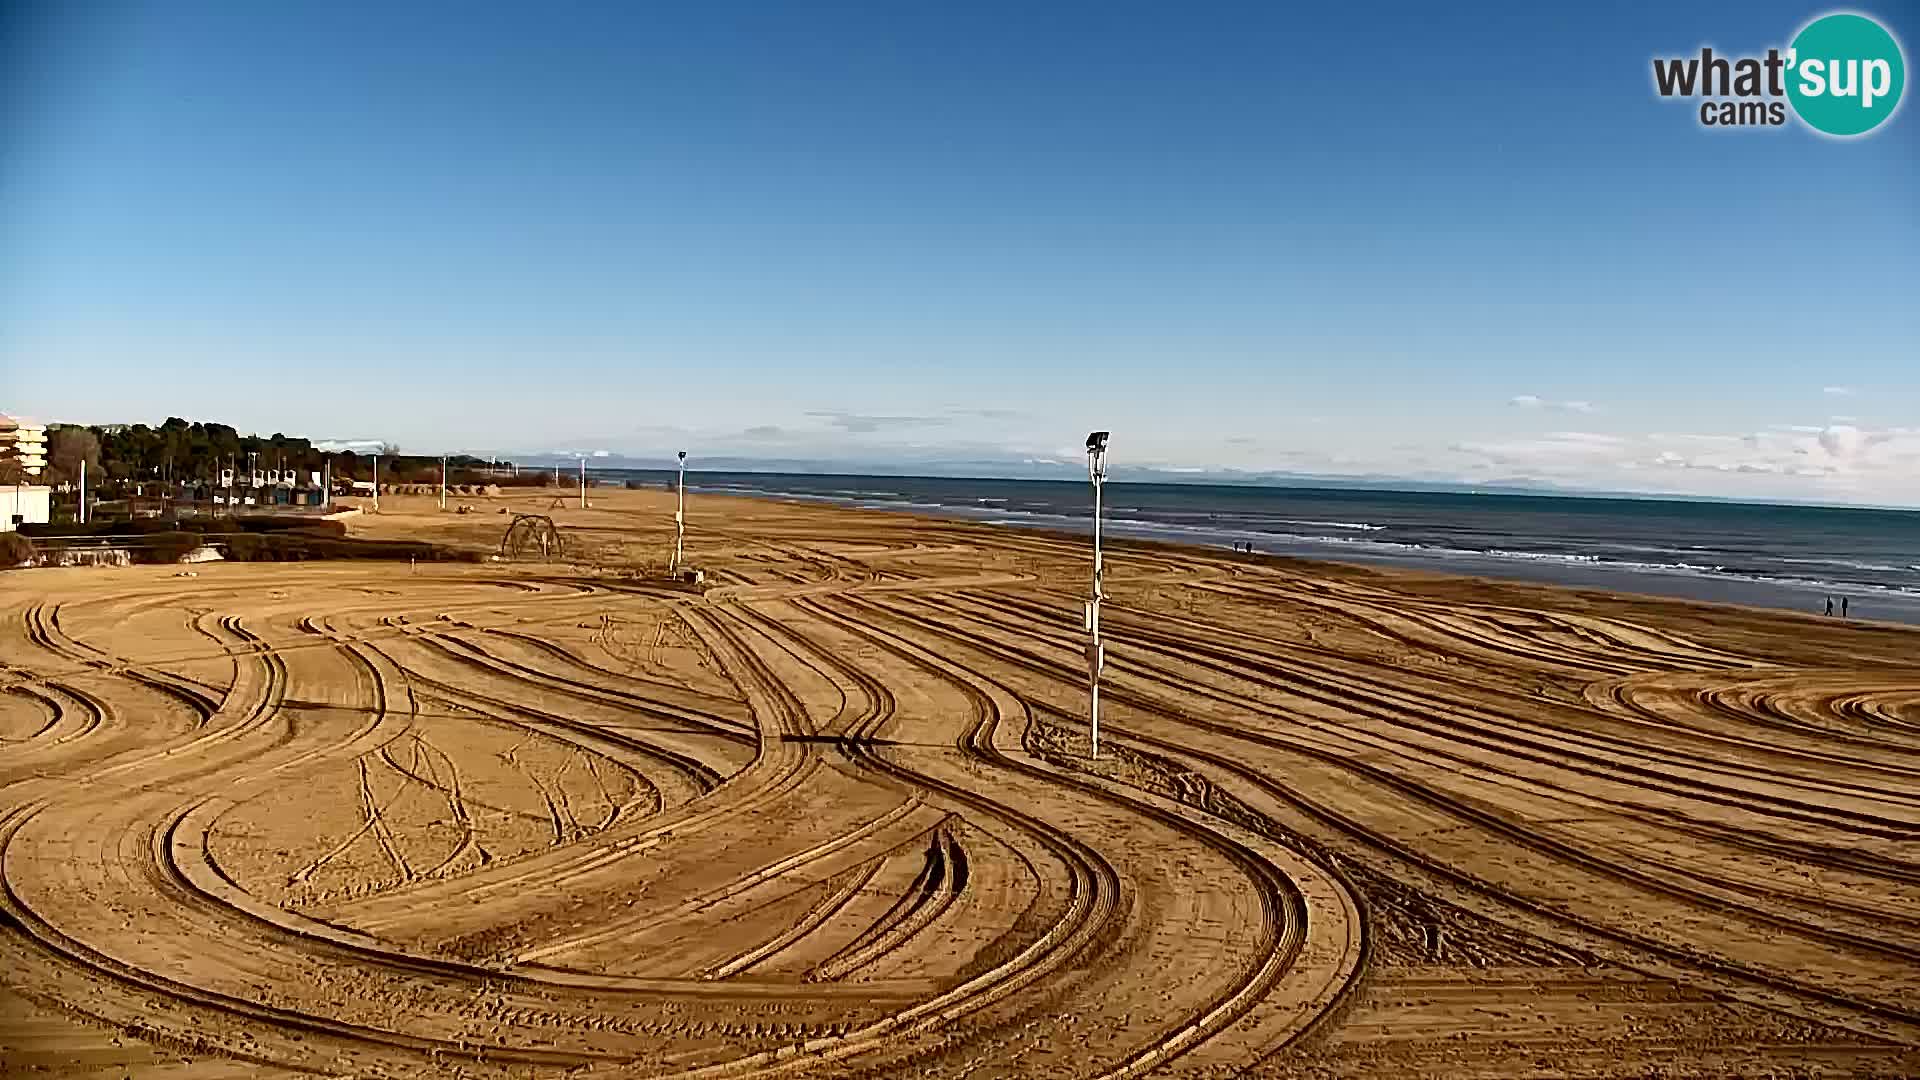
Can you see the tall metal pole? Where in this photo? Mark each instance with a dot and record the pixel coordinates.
(376, 481)
(83, 491)
(1096, 652)
(680, 519)
(443, 482)
(583, 483)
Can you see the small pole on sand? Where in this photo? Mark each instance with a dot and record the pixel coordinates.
(1096, 653)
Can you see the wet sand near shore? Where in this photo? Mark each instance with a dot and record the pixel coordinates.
(832, 813)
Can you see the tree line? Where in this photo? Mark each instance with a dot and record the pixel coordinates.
(182, 452)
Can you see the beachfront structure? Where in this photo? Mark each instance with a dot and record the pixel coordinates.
(237, 489)
(25, 441)
(24, 504)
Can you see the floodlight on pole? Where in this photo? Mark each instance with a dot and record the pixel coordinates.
(1096, 652)
(680, 520)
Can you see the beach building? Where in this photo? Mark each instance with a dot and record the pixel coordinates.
(26, 441)
(24, 504)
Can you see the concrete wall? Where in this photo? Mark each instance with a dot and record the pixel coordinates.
(32, 503)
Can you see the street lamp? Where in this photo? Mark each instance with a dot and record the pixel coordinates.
(680, 520)
(1096, 653)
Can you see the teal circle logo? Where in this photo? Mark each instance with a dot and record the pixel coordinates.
(1845, 74)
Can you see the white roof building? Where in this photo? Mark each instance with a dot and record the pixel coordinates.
(24, 504)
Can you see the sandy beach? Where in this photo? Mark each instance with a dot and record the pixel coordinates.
(832, 813)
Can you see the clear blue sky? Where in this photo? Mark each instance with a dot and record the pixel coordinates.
(1413, 239)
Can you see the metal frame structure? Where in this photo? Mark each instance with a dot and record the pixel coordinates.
(528, 530)
(1096, 652)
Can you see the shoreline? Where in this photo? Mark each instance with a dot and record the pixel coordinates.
(1689, 598)
(1869, 604)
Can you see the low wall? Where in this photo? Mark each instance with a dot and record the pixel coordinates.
(85, 556)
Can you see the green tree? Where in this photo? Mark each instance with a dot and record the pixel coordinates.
(67, 446)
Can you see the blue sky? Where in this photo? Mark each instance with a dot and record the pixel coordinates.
(1403, 239)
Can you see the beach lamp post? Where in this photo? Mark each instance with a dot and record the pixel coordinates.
(1096, 653)
(680, 520)
(583, 483)
(443, 481)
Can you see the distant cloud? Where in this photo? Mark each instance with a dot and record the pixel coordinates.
(1837, 391)
(1535, 401)
(867, 423)
(335, 446)
(1559, 447)
(763, 431)
(1835, 460)
(1241, 440)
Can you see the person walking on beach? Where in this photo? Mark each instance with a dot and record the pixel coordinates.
(1829, 605)
(1843, 607)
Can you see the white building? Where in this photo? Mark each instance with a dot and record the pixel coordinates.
(26, 441)
(24, 504)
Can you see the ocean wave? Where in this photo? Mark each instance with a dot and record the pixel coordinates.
(1356, 526)
(1852, 564)
(1544, 556)
(1462, 544)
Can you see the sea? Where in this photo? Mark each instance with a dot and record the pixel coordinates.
(1783, 556)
